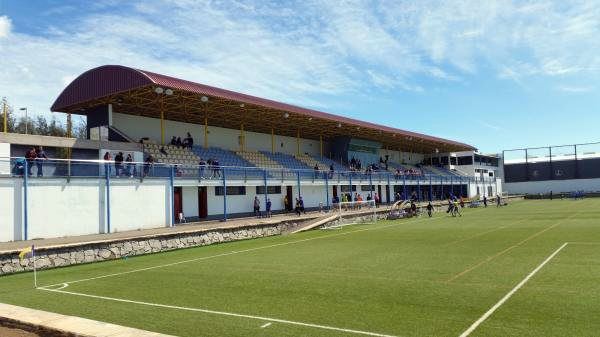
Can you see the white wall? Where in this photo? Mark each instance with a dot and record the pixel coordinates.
(135, 205)
(189, 194)
(4, 161)
(138, 127)
(556, 186)
(10, 209)
(58, 208)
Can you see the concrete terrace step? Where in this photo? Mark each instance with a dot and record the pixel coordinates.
(68, 325)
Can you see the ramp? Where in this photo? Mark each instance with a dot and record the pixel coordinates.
(316, 223)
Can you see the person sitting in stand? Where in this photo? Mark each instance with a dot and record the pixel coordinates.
(163, 151)
(188, 141)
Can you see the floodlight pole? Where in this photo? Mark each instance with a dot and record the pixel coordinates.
(5, 113)
(26, 119)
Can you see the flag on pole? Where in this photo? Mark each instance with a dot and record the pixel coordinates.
(26, 252)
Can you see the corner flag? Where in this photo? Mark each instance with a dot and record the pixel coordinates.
(25, 253)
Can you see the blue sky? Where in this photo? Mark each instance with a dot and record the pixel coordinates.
(495, 74)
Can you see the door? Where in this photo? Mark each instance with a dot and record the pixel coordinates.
(387, 194)
(177, 202)
(379, 192)
(334, 190)
(202, 202)
(290, 198)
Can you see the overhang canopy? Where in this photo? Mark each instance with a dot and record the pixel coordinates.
(132, 91)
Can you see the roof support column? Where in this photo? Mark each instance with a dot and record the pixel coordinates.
(272, 140)
(205, 132)
(242, 138)
(321, 145)
(162, 121)
(298, 143)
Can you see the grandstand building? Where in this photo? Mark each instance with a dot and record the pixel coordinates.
(248, 147)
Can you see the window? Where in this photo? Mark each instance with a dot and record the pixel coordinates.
(444, 160)
(465, 160)
(346, 188)
(231, 190)
(491, 173)
(270, 190)
(452, 160)
(367, 188)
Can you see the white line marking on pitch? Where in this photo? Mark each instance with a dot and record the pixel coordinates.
(510, 293)
(223, 313)
(266, 325)
(234, 252)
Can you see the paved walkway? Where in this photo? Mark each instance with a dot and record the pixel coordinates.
(180, 228)
(70, 324)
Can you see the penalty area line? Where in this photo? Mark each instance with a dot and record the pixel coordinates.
(268, 320)
(510, 293)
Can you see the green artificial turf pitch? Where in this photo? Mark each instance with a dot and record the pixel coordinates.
(414, 277)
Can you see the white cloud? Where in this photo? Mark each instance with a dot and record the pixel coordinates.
(299, 52)
(574, 89)
(5, 26)
(491, 126)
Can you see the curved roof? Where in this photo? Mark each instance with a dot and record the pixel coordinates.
(103, 84)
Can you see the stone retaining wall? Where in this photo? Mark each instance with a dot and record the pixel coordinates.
(72, 254)
(51, 257)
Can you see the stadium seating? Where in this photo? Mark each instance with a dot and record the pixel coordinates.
(175, 155)
(259, 159)
(287, 161)
(225, 157)
(323, 163)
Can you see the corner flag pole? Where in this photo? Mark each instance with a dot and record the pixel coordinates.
(34, 269)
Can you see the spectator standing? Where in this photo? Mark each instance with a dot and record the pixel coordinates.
(178, 142)
(30, 157)
(201, 168)
(484, 201)
(129, 168)
(256, 206)
(268, 208)
(316, 168)
(39, 161)
(429, 209)
(377, 200)
(119, 164)
(107, 160)
(301, 202)
(297, 208)
(286, 203)
(147, 164)
(174, 141)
